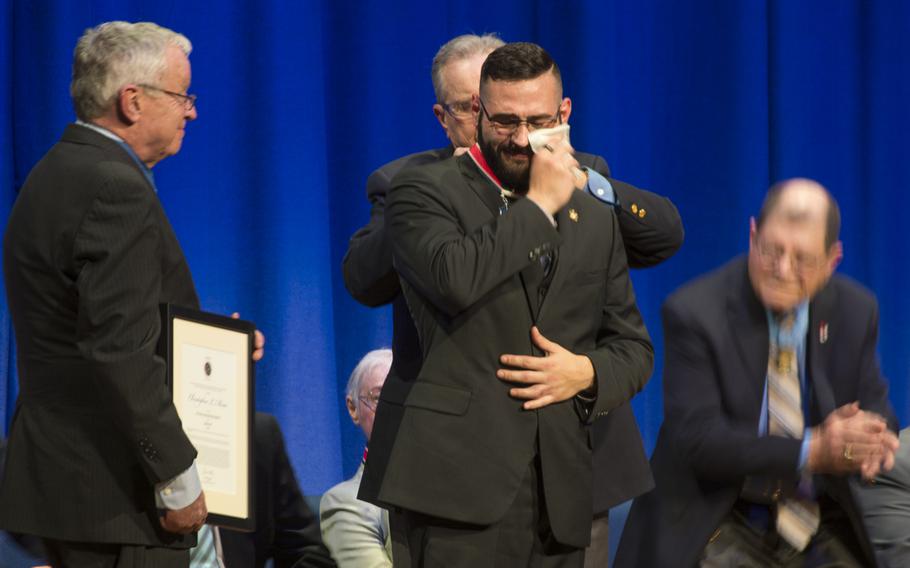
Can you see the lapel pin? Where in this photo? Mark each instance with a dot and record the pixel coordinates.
(573, 215)
(823, 332)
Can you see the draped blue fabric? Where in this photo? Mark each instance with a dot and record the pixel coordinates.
(707, 102)
(7, 382)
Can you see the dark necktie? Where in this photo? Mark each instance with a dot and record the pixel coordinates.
(547, 262)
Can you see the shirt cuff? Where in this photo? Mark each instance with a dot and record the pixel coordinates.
(179, 492)
(600, 187)
(804, 450)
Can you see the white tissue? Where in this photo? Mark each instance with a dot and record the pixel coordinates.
(537, 138)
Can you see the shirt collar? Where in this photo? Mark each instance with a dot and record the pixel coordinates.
(101, 130)
(797, 334)
(129, 150)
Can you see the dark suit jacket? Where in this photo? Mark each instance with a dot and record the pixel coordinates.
(649, 239)
(620, 465)
(368, 272)
(18, 551)
(286, 529)
(452, 443)
(88, 256)
(716, 337)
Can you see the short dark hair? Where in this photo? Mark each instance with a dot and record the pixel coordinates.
(518, 62)
(832, 219)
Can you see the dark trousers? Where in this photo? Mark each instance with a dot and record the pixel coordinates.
(739, 543)
(521, 538)
(65, 554)
(597, 555)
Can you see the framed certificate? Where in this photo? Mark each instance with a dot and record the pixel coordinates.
(210, 374)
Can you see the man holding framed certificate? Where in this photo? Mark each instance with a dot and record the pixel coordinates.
(98, 464)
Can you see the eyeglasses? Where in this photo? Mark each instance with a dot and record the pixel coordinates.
(800, 263)
(371, 398)
(189, 101)
(459, 110)
(507, 124)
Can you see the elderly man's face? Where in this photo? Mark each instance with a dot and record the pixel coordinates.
(363, 409)
(788, 262)
(165, 115)
(534, 103)
(456, 114)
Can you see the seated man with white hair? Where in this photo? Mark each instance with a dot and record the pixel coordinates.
(357, 532)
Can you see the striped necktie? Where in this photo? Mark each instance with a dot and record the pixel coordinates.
(203, 555)
(797, 517)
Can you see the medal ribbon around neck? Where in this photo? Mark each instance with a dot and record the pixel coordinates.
(504, 194)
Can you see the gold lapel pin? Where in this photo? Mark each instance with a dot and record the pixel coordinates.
(573, 215)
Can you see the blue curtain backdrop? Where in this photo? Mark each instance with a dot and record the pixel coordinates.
(707, 102)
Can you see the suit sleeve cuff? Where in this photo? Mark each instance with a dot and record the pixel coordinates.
(179, 492)
(600, 187)
(544, 211)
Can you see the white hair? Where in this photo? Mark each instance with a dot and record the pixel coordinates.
(114, 54)
(372, 362)
(462, 47)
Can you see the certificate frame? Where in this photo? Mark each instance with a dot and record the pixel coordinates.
(211, 376)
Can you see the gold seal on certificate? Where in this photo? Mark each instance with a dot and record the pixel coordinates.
(210, 372)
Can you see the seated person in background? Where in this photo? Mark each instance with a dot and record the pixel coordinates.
(886, 509)
(773, 399)
(286, 528)
(357, 532)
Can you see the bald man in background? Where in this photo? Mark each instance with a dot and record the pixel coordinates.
(773, 399)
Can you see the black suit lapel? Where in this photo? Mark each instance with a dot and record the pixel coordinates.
(530, 281)
(487, 192)
(821, 323)
(567, 220)
(824, 324)
(749, 324)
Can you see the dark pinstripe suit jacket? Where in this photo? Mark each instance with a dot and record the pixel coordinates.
(451, 442)
(620, 465)
(88, 256)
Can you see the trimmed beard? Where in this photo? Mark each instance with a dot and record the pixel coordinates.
(514, 177)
